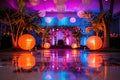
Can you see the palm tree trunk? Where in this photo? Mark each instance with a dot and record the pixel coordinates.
(107, 23)
(106, 39)
(14, 43)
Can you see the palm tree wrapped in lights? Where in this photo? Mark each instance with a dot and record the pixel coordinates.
(18, 20)
(77, 35)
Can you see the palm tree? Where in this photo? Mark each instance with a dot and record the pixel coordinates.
(77, 35)
(102, 23)
(19, 21)
(97, 24)
(106, 22)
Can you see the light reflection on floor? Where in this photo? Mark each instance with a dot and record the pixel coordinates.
(59, 64)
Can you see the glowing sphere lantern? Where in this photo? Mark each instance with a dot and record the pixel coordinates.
(72, 19)
(26, 61)
(26, 42)
(80, 14)
(86, 2)
(42, 13)
(94, 60)
(48, 20)
(34, 2)
(59, 1)
(74, 45)
(60, 7)
(46, 45)
(94, 42)
(55, 1)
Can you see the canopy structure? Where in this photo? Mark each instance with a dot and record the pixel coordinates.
(86, 16)
(64, 5)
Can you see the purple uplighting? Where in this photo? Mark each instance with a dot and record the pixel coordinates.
(49, 77)
(67, 41)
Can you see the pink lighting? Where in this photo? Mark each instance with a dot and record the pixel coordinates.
(53, 40)
(48, 20)
(72, 19)
(42, 13)
(48, 76)
(67, 41)
(80, 14)
(53, 66)
(59, 35)
(71, 5)
(67, 55)
(60, 7)
(59, 1)
(60, 16)
(86, 2)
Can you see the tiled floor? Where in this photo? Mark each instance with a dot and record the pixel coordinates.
(60, 64)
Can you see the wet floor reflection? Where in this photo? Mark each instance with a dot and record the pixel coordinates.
(62, 64)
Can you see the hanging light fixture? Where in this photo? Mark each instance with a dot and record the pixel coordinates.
(60, 7)
(86, 2)
(42, 13)
(59, 1)
(34, 2)
(72, 19)
(80, 13)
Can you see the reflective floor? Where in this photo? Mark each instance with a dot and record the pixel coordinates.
(59, 64)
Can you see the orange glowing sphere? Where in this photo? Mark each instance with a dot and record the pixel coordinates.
(26, 61)
(74, 45)
(75, 53)
(94, 42)
(46, 45)
(94, 60)
(47, 53)
(26, 42)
